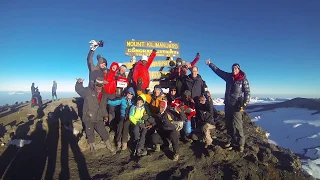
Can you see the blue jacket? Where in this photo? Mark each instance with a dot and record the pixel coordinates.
(123, 103)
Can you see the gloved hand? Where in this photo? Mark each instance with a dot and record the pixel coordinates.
(145, 117)
(140, 125)
(154, 50)
(94, 45)
(208, 61)
(198, 55)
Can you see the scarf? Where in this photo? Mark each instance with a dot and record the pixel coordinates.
(238, 76)
(99, 97)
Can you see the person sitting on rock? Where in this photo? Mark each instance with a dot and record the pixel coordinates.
(206, 114)
(172, 95)
(124, 123)
(94, 112)
(141, 70)
(141, 120)
(237, 97)
(166, 128)
(154, 99)
(187, 105)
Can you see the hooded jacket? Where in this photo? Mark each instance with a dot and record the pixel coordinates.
(124, 103)
(237, 91)
(181, 71)
(142, 71)
(206, 113)
(92, 109)
(94, 70)
(153, 100)
(140, 115)
(111, 86)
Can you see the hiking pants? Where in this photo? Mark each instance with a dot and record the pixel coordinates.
(99, 127)
(162, 137)
(139, 136)
(111, 109)
(123, 130)
(234, 122)
(206, 129)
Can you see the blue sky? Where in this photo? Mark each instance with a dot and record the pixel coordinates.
(276, 43)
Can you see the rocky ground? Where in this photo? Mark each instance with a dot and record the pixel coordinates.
(57, 152)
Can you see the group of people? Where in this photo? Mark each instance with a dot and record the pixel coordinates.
(158, 119)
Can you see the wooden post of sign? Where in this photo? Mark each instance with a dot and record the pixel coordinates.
(133, 58)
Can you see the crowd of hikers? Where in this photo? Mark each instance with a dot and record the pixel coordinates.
(157, 119)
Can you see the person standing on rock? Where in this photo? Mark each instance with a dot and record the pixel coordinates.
(94, 111)
(95, 71)
(54, 90)
(124, 123)
(237, 97)
(141, 70)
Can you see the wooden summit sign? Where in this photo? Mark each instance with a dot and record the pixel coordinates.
(141, 48)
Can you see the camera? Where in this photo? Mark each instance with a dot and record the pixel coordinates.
(100, 43)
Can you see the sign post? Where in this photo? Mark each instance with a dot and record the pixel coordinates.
(168, 50)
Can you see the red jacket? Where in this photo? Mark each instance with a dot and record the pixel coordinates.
(178, 72)
(142, 71)
(178, 102)
(111, 87)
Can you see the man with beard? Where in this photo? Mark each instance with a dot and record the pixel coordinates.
(237, 97)
(94, 112)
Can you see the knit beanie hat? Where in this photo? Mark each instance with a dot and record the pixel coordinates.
(236, 65)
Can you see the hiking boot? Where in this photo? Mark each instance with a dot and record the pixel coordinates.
(124, 146)
(157, 148)
(142, 152)
(241, 148)
(175, 157)
(109, 146)
(92, 147)
(194, 137)
(228, 146)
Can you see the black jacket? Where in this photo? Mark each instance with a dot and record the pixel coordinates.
(165, 120)
(237, 92)
(92, 110)
(94, 70)
(206, 113)
(195, 85)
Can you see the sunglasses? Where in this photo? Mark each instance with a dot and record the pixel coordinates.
(130, 93)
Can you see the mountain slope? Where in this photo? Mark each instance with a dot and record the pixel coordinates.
(58, 154)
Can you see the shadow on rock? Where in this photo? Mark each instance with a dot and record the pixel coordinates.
(27, 162)
(176, 173)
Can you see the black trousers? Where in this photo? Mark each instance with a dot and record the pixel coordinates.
(123, 130)
(99, 127)
(162, 137)
(139, 136)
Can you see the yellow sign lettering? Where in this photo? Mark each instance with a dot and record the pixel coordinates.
(147, 52)
(152, 44)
